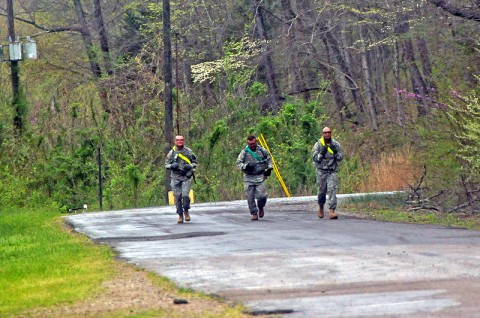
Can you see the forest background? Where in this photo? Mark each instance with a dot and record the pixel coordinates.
(397, 81)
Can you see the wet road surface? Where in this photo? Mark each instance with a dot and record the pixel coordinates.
(294, 264)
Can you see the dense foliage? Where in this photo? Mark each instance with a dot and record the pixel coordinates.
(394, 79)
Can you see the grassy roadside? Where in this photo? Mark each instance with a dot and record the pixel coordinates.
(42, 265)
(392, 209)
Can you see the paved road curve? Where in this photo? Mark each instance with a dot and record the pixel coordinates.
(294, 264)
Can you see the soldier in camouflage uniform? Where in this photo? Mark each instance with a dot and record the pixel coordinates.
(182, 163)
(327, 153)
(256, 163)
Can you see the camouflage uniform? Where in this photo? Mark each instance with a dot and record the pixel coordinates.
(327, 178)
(181, 178)
(254, 180)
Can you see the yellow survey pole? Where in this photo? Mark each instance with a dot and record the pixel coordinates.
(263, 143)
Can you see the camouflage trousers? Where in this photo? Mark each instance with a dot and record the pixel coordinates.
(256, 192)
(327, 182)
(181, 190)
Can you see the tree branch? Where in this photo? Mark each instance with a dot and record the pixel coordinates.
(48, 30)
(457, 10)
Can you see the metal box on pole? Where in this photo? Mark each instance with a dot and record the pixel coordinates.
(30, 49)
(15, 51)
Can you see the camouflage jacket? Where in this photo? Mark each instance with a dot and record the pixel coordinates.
(254, 176)
(173, 156)
(328, 162)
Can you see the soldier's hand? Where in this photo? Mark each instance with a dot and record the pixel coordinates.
(187, 167)
(174, 166)
(250, 166)
(268, 172)
(324, 150)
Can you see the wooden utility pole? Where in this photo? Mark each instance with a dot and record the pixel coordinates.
(15, 71)
(167, 93)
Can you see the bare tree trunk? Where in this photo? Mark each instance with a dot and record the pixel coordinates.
(368, 81)
(377, 63)
(418, 83)
(426, 65)
(103, 36)
(329, 72)
(336, 88)
(333, 44)
(87, 39)
(267, 60)
(396, 75)
(167, 93)
(296, 81)
(92, 56)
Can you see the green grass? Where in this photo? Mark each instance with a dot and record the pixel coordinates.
(41, 265)
(44, 264)
(393, 209)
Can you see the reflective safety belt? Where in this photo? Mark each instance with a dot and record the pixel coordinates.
(254, 154)
(322, 142)
(182, 156)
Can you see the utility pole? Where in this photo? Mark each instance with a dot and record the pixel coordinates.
(167, 94)
(15, 71)
(176, 84)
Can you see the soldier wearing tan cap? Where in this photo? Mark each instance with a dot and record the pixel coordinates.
(327, 153)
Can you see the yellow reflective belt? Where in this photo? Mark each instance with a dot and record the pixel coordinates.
(182, 156)
(323, 144)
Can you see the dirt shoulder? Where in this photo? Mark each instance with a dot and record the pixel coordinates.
(132, 292)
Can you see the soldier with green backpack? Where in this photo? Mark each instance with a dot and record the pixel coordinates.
(256, 164)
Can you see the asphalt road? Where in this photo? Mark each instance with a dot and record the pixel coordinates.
(296, 265)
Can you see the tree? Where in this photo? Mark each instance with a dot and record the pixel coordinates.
(102, 32)
(267, 65)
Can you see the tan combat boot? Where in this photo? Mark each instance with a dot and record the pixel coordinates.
(320, 212)
(180, 218)
(187, 215)
(254, 217)
(332, 215)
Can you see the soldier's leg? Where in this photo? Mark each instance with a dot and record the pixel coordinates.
(322, 192)
(186, 185)
(332, 186)
(322, 187)
(177, 195)
(250, 193)
(261, 196)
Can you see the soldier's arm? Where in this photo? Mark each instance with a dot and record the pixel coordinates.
(339, 154)
(316, 152)
(268, 159)
(169, 159)
(194, 160)
(241, 165)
